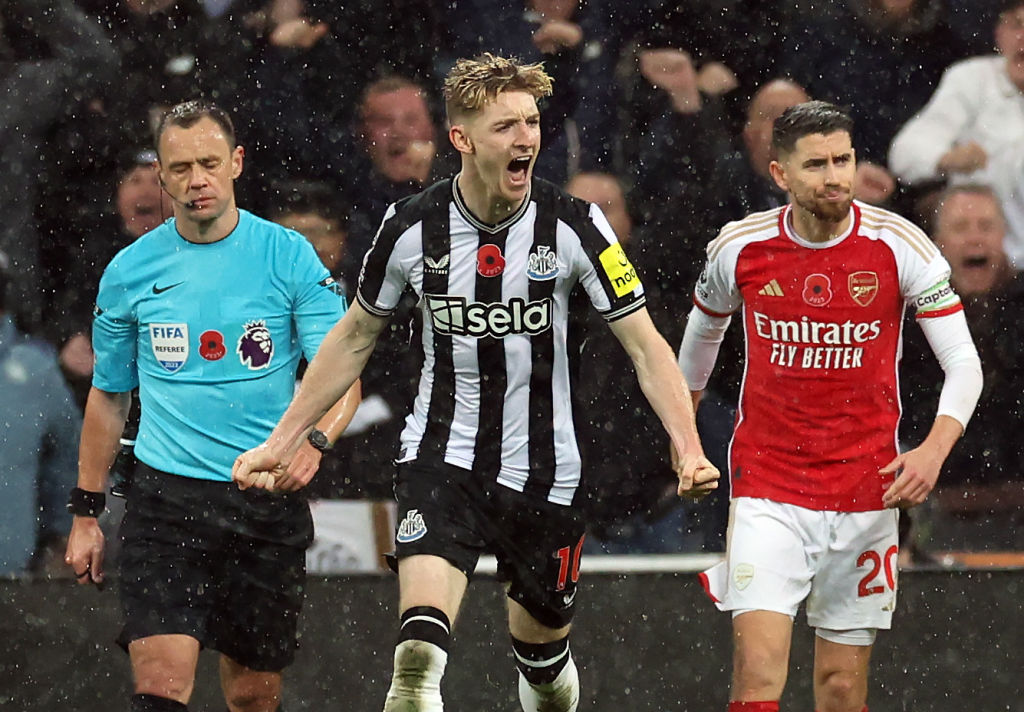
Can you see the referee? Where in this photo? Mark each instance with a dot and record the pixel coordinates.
(207, 315)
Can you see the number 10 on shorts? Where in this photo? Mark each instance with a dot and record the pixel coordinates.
(564, 555)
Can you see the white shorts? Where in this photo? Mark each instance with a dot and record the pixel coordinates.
(778, 555)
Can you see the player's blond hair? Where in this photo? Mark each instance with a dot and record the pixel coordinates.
(473, 82)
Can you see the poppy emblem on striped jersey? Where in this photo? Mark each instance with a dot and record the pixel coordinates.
(489, 261)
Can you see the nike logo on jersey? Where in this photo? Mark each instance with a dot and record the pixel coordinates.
(772, 289)
(161, 290)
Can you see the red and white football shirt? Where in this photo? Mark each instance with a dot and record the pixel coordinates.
(819, 404)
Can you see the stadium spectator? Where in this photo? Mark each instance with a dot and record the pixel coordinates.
(499, 364)
(823, 283)
(981, 492)
(206, 316)
(37, 459)
(138, 206)
(882, 58)
(301, 88)
(727, 63)
(972, 128)
(170, 51)
(398, 156)
(700, 179)
(310, 208)
(51, 53)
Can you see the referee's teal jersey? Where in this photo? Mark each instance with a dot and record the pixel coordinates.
(212, 335)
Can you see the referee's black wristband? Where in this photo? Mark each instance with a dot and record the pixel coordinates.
(83, 503)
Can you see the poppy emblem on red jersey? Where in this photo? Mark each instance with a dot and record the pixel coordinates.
(817, 290)
(863, 287)
(489, 261)
(211, 345)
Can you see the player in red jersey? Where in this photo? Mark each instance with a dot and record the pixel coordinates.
(817, 479)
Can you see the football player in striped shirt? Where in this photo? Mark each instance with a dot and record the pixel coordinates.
(488, 460)
(821, 285)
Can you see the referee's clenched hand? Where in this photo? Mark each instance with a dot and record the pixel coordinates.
(697, 476)
(260, 467)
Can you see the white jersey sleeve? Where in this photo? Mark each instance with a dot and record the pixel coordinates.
(716, 292)
(699, 350)
(950, 340)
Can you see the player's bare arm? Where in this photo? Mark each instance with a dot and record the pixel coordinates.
(105, 416)
(339, 362)
(917, 470)
(666, 390)
(305, 462)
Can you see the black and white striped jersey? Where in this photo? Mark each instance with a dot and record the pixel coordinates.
(495, 391)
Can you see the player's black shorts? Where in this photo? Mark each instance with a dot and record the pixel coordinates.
(450, 512)
(205, 559)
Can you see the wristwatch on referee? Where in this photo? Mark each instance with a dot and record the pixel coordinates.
(318, 439)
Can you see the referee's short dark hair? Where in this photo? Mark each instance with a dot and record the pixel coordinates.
(811, 117)
(189, 113)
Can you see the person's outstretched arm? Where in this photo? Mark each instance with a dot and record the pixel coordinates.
(338, 363)
(666, 390)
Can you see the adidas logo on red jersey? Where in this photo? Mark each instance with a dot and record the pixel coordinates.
(772, 289)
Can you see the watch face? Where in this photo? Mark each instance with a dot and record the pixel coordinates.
(318, 440)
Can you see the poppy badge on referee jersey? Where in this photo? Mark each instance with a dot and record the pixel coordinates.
(489, 261)
(863, 287)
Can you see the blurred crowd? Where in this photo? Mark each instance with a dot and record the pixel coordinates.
(662, 114)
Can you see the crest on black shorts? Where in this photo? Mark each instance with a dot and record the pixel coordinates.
(412, 527)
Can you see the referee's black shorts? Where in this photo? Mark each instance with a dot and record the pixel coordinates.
(453, 513)
(210, 561)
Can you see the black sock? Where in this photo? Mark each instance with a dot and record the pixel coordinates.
(540, 663)
(426, 623)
